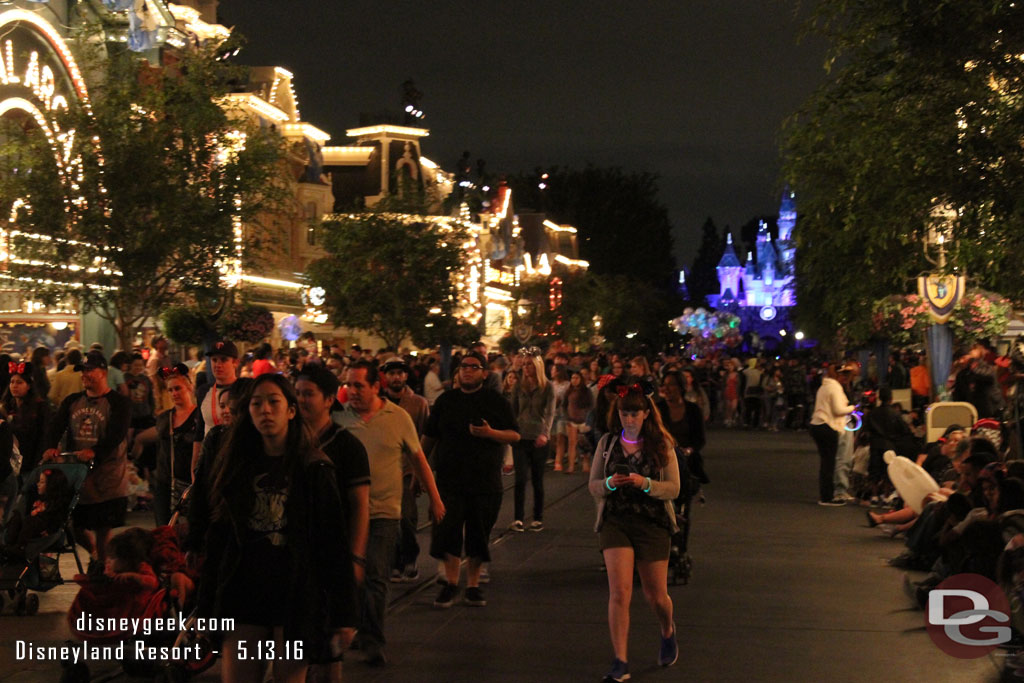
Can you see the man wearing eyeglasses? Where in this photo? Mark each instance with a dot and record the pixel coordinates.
(468, 425)
(389, 436)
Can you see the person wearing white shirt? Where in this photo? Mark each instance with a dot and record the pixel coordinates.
(829, 419)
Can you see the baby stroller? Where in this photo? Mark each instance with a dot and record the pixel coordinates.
(108, 600)
(36, 566)
(680, 564)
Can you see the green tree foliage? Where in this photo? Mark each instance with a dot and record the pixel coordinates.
(623, 226)
(624, 233)
(146, 217)
(923, 105)
(630, 310)
(703, 274)
(385, 272)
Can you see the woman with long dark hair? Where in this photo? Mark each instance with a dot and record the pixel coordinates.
(27, 412)
(635, 478)
(41, 359)
(684, 421)
(277, 549)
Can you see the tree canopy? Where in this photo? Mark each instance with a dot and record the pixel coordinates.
(923, 108)
(159, 174)
(392, 274)
(703, 278)
(623, 226)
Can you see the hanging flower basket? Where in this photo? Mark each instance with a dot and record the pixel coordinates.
(903, 319)
(247, 323)
(980, 316)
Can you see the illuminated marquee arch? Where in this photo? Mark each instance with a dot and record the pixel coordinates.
(39, 78)
(36, 67)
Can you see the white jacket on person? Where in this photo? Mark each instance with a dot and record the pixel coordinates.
(830, 405)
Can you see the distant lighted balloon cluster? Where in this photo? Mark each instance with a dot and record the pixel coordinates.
(708, 329)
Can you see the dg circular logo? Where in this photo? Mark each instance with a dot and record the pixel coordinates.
(968, 616)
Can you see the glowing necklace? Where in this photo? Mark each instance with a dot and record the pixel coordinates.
(625, 440)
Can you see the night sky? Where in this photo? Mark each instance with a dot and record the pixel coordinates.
(693, 90)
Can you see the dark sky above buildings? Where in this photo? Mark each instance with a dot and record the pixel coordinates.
(693, 90)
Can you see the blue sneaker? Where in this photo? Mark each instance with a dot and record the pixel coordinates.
(669, 652)
(618, 673)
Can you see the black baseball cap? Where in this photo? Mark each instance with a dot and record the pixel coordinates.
(394, 363)
(93, 360)
(223, 347)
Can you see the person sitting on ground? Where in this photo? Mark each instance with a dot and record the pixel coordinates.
(923, 538)
(942, 462)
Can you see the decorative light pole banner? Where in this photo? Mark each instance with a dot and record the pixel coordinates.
(942, 293)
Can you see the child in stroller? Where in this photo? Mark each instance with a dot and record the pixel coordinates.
(145, 577)
(37, 524)
(44, 512)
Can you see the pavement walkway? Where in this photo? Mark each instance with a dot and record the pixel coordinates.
(782, 590)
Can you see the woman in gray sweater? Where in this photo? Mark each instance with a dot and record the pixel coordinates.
(534, 408)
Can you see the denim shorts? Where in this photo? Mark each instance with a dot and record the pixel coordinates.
(649, 540)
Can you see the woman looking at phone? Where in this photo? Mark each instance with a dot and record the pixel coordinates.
(635, 478)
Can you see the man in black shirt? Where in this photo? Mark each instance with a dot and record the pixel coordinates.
(93, 424)
(468, 425)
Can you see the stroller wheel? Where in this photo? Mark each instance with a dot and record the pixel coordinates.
(32, 604)
(171, 674)
(75, 673)
(19, 605)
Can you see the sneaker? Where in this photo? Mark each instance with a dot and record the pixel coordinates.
(375, 658)
(845, 497)
(446, 597)
(618, 673)
(475, 597)
(517, 526)
(834, 503)
(669, 651)
(536, 525)
(485, 576)
(411, 574)
(396, 576)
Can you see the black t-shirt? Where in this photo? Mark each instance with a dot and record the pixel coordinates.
(346, 451)
(267, 528)
(463, 460)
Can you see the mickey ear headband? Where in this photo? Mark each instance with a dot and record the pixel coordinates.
(625, 391)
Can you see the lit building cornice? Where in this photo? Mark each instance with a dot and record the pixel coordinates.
(305, 130)
(388, 130)
(258, 106)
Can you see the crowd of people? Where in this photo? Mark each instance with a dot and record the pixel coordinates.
(308, 461)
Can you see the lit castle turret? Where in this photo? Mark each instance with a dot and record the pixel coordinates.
(767, 281)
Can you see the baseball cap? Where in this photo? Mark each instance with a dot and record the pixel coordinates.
(394, 363)
(223, 347)
(94, 360)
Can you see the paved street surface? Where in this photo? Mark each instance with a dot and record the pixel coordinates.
(782, 590)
